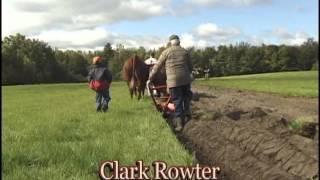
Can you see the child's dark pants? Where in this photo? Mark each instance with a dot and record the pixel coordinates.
(102, 100)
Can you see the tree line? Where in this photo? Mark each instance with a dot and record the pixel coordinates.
(28, 61)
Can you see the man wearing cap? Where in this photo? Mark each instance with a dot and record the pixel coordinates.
(178, 67)
(100, 79)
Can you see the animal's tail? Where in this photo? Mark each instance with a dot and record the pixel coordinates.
(133, 69)
(133, 75)
(134, 72)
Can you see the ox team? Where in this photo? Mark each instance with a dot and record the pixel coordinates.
(178, 69)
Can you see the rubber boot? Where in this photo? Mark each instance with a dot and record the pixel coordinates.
(187, 119)
(178, 124)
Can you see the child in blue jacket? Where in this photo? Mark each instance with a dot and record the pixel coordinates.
(100, 79)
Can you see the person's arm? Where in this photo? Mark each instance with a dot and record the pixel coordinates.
(189, 61)
(158, 66)
(108, 76)
(90, 75)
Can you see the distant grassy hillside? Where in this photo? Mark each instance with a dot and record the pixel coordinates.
(303, 83)
(53, 132)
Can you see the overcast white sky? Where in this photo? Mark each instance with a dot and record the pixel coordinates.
(83, 24)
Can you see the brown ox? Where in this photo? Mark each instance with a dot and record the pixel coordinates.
(136, 73)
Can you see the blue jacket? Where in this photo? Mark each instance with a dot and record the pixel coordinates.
(99, 72)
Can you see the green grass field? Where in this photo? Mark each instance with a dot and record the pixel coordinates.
(303, 83)
(53, 132)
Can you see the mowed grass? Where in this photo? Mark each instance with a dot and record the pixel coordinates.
(303, 83)
(53, 132)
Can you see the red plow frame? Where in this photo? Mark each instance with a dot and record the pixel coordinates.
(161, 100)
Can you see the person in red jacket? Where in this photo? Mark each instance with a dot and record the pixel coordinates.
(100, 79)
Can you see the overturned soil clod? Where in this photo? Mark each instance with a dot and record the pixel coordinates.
(248, 135)
(308, 130)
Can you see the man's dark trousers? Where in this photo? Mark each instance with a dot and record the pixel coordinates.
(102, 100)
(181, 97)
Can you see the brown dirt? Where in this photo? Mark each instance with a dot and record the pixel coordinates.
(247, 134)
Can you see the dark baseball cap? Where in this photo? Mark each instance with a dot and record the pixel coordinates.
(172, 37)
